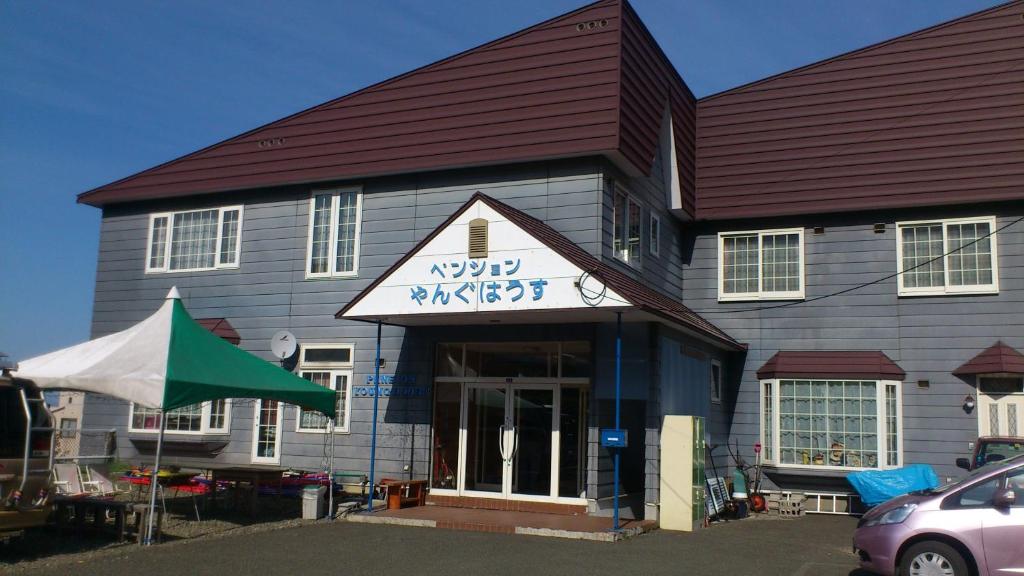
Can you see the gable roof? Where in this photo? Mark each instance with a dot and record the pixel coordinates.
(928, 118)
(579, 84)
(831, 364)
(996, 359)
(635, 293)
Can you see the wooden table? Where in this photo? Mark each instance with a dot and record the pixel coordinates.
(251, 475)
(402, 493)
(83, 506)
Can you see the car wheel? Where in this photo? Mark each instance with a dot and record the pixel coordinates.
(932, 559)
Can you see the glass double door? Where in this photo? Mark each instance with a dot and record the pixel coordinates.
(510, 440)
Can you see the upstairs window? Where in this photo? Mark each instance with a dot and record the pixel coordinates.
(626, 224)
(654, 245)
(334, 219)
(761, 265)
(947, 257)
(194, 240)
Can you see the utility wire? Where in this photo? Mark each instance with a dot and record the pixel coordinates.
(595, 298)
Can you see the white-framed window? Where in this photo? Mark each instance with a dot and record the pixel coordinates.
(654, 242)
(970, 264)
(761, 265)
(716, 382)
(329, 365)
(211, 417)
(335, 218)
(626, 225)
(832, 423)
(194, 240)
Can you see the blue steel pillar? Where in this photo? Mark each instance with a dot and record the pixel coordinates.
(373, 432)
(618, 408)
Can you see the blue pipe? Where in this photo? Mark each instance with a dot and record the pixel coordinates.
(373, 433)
(618, 408)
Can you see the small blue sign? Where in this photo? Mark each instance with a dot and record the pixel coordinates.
(613, 438)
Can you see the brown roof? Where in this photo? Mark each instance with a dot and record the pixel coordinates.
(638, 294)
(578, 84)
(221, 327)
(996, 359)
(831, 364)
(930, 118)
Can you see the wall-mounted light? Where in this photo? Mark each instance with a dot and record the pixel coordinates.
(968, 403)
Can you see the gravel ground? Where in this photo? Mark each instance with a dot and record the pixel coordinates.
(44, 547)
(808, 546)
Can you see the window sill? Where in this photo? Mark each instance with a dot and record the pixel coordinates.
(756, 298)
(343, 432)
(986, 292)
(818, 471)
(176, 434)
(332, 276)
(193, 270)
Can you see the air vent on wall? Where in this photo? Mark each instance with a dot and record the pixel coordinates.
(478, 238)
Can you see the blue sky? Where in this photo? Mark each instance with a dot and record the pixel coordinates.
(94, 91)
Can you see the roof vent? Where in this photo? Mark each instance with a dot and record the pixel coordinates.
(478, 238)
(585, 26)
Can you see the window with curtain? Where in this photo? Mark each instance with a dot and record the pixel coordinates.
(194, 240)
(947, 257)
(761, 265)
(330, 366)
(831, 423)
(334, 222)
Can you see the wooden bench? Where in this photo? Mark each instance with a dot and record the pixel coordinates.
(142, 522)
(403, 493)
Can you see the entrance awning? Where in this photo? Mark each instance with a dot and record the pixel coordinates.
(522, 272)
(996, 359)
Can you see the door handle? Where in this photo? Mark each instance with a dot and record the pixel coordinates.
(515, 443)
(501, 443)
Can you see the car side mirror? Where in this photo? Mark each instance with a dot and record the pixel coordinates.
(1004, 499)
(963, 463)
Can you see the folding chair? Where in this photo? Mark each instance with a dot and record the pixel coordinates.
(67, 480)
(97, 481)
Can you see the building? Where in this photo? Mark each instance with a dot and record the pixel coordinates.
(827, 262)
(67, 412)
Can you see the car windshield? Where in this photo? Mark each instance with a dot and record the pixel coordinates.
(997, 450)
(975, 473)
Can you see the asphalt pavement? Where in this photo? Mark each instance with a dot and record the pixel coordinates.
(808, 546)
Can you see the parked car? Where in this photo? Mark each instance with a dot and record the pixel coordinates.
(23, 498)
(972, 526)
(992, 449)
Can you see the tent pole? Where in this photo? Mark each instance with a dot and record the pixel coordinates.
(154, 479)
(330, 473)
(373, 432)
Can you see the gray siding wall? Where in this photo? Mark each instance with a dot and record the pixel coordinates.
(269, 292)
(927, 336)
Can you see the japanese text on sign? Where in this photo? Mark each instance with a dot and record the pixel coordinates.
(488, 283)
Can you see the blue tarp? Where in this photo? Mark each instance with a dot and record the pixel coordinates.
(877, 486)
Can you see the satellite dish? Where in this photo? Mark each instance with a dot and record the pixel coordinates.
(283, 345)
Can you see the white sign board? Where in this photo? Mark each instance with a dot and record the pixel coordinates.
(519, 273)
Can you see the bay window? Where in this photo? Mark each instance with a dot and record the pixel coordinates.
(334, 221)
(831, 423)
(204, 418)
(330, 366)
(194, 240)
(760, 265)
(956, 256)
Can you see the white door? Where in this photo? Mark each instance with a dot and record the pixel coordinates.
(1000, 406)
(266, 433)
